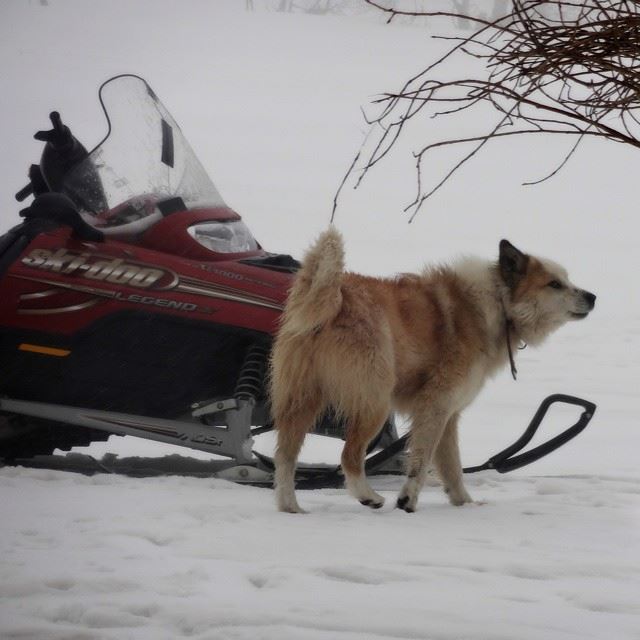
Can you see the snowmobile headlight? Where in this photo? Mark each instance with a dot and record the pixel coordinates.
(224, 237)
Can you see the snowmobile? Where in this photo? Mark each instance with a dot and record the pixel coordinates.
(134, 301)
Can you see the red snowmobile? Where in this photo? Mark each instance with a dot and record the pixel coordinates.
(134, 301)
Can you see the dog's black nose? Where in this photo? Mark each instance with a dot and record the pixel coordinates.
(590, 299)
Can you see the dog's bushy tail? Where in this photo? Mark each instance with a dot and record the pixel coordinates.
(316, 296)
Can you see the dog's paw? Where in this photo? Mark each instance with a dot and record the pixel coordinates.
(364, 494)
(459, 502)
(459, 496)
(406, 504)
(291, 509)
(373, 503)
(288, 504)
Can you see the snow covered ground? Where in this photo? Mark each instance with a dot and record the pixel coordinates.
(111, 557)
(271, 104)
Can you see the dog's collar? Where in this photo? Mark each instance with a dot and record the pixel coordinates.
(509, 326)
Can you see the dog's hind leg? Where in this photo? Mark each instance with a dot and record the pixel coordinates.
(292, 430)
(426, 431)
(447, 461)
(359, 434)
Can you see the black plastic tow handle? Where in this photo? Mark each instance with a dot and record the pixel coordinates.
(505, 461)
(502, 462)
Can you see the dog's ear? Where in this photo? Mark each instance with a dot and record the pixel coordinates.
(513, 263)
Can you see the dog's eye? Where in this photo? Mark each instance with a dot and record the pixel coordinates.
(555, 284)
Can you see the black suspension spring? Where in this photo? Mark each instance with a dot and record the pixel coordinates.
(250, 385)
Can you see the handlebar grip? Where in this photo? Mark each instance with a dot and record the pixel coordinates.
(24, 193)
(37, 184)
(59, 137)
(56, 121)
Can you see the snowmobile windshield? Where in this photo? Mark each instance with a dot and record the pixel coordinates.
(144, 155)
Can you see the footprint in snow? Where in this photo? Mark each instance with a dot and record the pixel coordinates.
(362, 575)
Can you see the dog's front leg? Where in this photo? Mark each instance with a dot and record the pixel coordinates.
(426, 431)
(447, 461)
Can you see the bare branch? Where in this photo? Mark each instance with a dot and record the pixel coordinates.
(567, 67)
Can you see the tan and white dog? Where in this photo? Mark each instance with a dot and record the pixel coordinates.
(423, 345)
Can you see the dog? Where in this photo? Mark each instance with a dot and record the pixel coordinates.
(421, 344)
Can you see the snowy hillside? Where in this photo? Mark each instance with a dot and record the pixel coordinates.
(271, 104)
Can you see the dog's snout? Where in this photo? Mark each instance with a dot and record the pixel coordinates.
(590, 299)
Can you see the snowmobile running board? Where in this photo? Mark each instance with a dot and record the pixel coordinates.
(255, 468)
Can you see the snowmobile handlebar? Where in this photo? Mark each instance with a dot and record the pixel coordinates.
(25, 192)
(57, 208)
(61, 152)
(505, 461)
(60, 138)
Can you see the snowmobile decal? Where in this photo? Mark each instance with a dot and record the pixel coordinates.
(52, 310)
(238, 277)
(135, 274)
(159, 302)
(139, 275)
(169, 432)
(191, 285)
(201, 289)
(39, 294)
(105, 293)
(104, 268)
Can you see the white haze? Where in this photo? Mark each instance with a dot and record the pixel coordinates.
(271, 104)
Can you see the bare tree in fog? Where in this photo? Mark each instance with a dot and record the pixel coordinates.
(564, 67)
